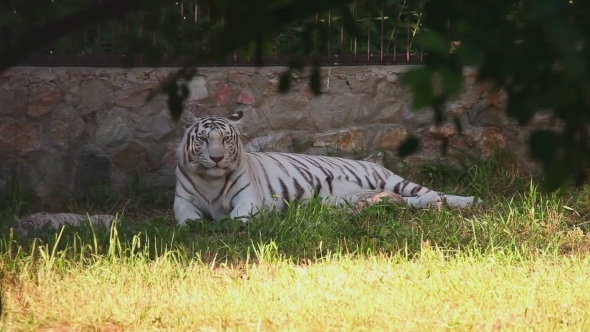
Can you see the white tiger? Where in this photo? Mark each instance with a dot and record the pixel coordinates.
(216, 177)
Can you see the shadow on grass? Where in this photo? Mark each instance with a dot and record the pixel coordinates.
(514, 216)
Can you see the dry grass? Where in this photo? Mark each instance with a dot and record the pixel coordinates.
(428, 293)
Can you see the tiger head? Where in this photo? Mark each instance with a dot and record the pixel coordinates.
(211, 146)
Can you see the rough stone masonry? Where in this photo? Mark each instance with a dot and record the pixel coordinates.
(67, 129)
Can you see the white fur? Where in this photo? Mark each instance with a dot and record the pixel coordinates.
(242, 183)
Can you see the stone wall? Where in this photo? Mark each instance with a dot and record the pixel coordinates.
(68, 128)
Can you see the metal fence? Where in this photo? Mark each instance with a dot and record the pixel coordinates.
(386, 31)
(385, 35)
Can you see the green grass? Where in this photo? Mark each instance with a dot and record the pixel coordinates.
(517, 262)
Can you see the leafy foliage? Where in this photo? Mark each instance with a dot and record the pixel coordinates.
(535, 52)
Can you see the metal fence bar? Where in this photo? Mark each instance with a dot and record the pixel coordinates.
(141, 55)
(182, 18)
(356, 6)
(103, 45)
(208, 38)
(422, 46)
(315, 34)
(329, 35)
(126, 35)
(289, 42)
(113, 39)
(341, 41)
(408, 39)
(198, 21)
(395, 30)
(276, 46)
(382, 40)
(369, 26)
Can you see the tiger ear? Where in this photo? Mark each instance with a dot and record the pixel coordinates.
(187, 119)
(236, 117)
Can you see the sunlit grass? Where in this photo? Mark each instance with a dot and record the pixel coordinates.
(468, 292)
(518, 262)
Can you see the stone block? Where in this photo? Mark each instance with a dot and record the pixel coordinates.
(134, 95)
(363, 83)
(276, 141)
(256, 87)
(332, 111)
(134, 157)
(139, 76)
(170, 155)
(14, 101)
(366, 110)
(92, 168)
(483, 114)
(389, 138)
(20, 79)
(245, 97)
(288, 111)
(112, 128)
(43, 100)
(94, 95)
(154, 128)
(20, 138)
(48, 176)
(254, 122)
(432, 140)
(490, 140)
(66, 126)
(224, 94)
(197, 89)
(348, 140)
(336, 85)
(416, 118)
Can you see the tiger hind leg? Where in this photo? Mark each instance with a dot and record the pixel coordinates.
(362, 199)
(372, 198)
(412, 194)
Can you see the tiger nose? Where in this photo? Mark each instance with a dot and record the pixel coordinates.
(216, 159)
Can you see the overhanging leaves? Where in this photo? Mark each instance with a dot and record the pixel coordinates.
(408, 147)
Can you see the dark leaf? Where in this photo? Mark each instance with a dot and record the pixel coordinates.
(315, 80)
(175, 105)
(285, 82)
(452, 79)
(444, 145)
(520, 107)
(185, 92)
(128, 61)
(470, 55)
(433, 42)
(258, 50)
(408, 147)
(419, 81)
(556, 175)
(296, 64)
(348, 22)
(541, 10)
(457, 123)
(438, 108)
(544, 145)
